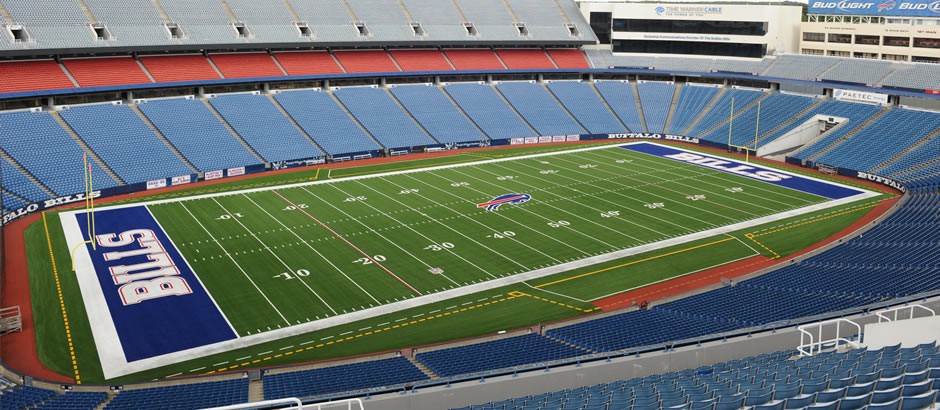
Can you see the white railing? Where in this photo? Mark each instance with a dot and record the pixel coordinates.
(295, 403)
(816, 342)
(883, 315)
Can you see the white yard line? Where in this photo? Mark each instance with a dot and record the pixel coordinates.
(313, 249)
(268, 248)
(265, 296)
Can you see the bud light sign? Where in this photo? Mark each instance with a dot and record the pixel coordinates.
(900, 8)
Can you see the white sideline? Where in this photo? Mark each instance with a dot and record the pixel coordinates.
(110, 352)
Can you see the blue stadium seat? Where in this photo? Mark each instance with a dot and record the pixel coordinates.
(342, 378)
(437, 113)
(383, 117)
(585, 104)
(489, 111)
(326, 122)
(539, 108)
(264, 127)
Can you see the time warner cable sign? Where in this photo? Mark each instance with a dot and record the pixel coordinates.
(900, 8)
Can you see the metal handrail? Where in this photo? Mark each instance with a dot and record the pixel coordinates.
(882, 315)
(816, 343)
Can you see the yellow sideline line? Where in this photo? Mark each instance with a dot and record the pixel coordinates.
(65, 316)
(510, 296)
(822, 218)
(753, 237)
(554, 302)
(634, 262)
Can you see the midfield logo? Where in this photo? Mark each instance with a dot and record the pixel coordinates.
(513, 199)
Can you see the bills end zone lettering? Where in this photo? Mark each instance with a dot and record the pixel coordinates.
(752, 171)
(149, 289)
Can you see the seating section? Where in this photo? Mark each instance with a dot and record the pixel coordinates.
(123, 141)
(893, 377)
(586, 105)
(656, 99)
(721, 109)
(383, 117)
(187, 396)
(192, 67)
(344, 378)
(692, 101)
(620, 98)
(801, 67)
(497, 354)
(858, 71)
(11, 202)
(326, 122)
(689, 64)
(14, 181)
(914, 76)
(775, 109)
(923, 159)
(525, 59)
(246, 65)
(23, 397)
(471, 59)
(421, 60)
(485, 107)
(308, 63)
(366, 61)
(94, 72)
(437, 114)
(197, 134)
(48, 152)
(256, 119)
(74, 400)
(870, 147)
(856, 113)
(539, 108)
(568, 58)
(20, 76)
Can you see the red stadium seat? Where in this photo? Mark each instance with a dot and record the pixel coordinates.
(367, 61)
(179, 68)
(246, 65)
(308, 62)
(523, 59)
(421, 60)
(568, 58)
(94, 72)
(474, 59)
(32, 75)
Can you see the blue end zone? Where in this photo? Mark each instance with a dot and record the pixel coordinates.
(756, 172)
(156, 326)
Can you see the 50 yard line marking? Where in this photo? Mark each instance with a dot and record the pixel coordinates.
(65, 316)
(340, 237)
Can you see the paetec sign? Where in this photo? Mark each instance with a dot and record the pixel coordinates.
(900, 8)
(859, 96)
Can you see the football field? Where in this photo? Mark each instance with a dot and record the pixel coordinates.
(217, 272)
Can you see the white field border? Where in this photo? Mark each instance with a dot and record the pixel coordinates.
(111, 354)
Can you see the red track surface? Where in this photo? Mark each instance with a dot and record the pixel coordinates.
(18, 350)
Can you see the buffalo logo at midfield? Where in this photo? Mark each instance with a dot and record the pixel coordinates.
(514, 199)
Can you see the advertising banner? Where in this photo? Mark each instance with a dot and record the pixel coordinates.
(898, 8)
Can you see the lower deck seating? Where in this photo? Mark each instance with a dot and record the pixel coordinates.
(19, 184)
(385, 120)
(326, 122)
(437, 114)
(539, 108)
(485, 107)
(342, 378)
(256, 119)
(187, 396)
(894, 377)
(74, 400)
(497, 354)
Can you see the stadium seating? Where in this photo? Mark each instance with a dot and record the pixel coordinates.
(383, 117)
(94, 72)
(326, 122)
(23, 396)
(915, 76)
(343, 378)
(656, 99)
(196, 133)
(568, 58)
(692, 101)
(439, 22)
(799, 67)
(539, 108)
(19, 76)
(775, 109)
(74, 400)
(768, 381)
(620, 98)
(11, 203)
(203, 21)
(131, 22)
(721, 109)
(308, 62)
(192, 67)
(51, 24)
(421, 60)
(525, 59)
(856, 113)
(268, 22)
(329, 21)
(497, 354)
(123, 141)
(48, 152)
(187, 396)
(366, 61)
(470, 59)
(869, 147)
(586, 105)
(491, 18)
(246, 65)
(14, 181)
(437, 114)
(693, 64)
(922, 156)
(488, 110)
(384, 19)
(858, 71)
(264, 127)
